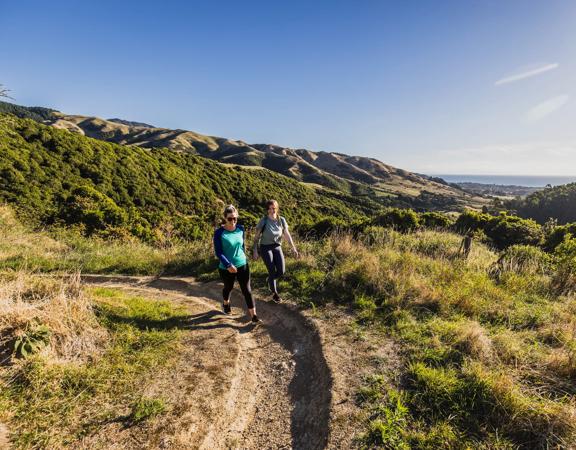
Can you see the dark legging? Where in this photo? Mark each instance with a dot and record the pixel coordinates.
(243, 276)
(274, 260)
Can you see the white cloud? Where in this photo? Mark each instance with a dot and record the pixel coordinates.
(547, 107)
(537, 158)
(527, 74)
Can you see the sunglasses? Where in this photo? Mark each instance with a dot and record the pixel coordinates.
(232, 219)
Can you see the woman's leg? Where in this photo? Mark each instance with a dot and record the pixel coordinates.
(243, 276)
(268, 258)
(279, 267)
(279, 262)
(228, 280)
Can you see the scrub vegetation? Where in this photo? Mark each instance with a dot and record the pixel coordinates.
(487, 342)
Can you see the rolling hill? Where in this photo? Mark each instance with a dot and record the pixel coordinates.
(53, 176)
(349, 174)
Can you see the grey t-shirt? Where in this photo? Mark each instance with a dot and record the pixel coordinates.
(271, 230)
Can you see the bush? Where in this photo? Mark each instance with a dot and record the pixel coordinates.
(435, 220)
(506, 230)
(97, 211)
(323, 227)
(472, 221)
(557, 202)
(400, 219)
(557, 234)
(503, 230)
(564, 279)
(57, 177)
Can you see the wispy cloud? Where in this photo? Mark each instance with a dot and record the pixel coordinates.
(533, 158)
(527, 74)
(547, 107)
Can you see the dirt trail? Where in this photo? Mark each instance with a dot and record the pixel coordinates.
(240, 386)
(4, 441)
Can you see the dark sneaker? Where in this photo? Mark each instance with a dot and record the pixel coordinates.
(276, 298)
(226, 307)
(256, 319)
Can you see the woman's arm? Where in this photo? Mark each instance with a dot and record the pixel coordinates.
(288, 237)
(256, 240)
(218, 248)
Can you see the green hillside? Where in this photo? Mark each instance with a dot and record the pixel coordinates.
(351, 175)
(36, 113)
(53, 176)
(558, 202)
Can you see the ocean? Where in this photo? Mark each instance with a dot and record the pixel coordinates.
(517, 180)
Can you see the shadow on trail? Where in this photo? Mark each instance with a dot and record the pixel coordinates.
(310, 388)
(205, 321)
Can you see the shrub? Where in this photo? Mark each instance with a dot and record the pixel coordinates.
(92, 208)
(435, 220)
(400, 219)
(557, 234)
(322, 228)
(503, 230)
(564, 279)
(472, 221)
(57, 177)
(506, 230)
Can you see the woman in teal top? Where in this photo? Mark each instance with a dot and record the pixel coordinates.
(229, 248)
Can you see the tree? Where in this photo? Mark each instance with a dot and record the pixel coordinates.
(4, 92)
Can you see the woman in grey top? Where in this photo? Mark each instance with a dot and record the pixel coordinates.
(269, 233)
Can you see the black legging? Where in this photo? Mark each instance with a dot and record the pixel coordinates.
(274, 260)
(243, 276)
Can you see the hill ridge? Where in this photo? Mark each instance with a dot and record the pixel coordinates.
(356, 175)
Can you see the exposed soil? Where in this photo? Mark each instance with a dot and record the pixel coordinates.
(4, 442)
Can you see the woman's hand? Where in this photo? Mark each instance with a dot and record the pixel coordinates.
(295, 252)
(255, 254)
(232, 269)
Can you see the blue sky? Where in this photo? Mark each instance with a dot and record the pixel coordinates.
(448, 86)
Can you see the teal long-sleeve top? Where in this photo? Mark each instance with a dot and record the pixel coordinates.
(229, 247)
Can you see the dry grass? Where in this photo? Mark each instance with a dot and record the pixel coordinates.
(28, 302)
(54, 405)
(472, 339)
(497, 353)
(16, 241)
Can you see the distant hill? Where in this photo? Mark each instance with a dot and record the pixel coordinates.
(497, 190)
(131, 124)
(352, 174)
(349, 174)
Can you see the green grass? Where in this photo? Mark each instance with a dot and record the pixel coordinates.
(488, 344)
(146, 408)
(56, 404)
(489, 358)
(67, 251)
